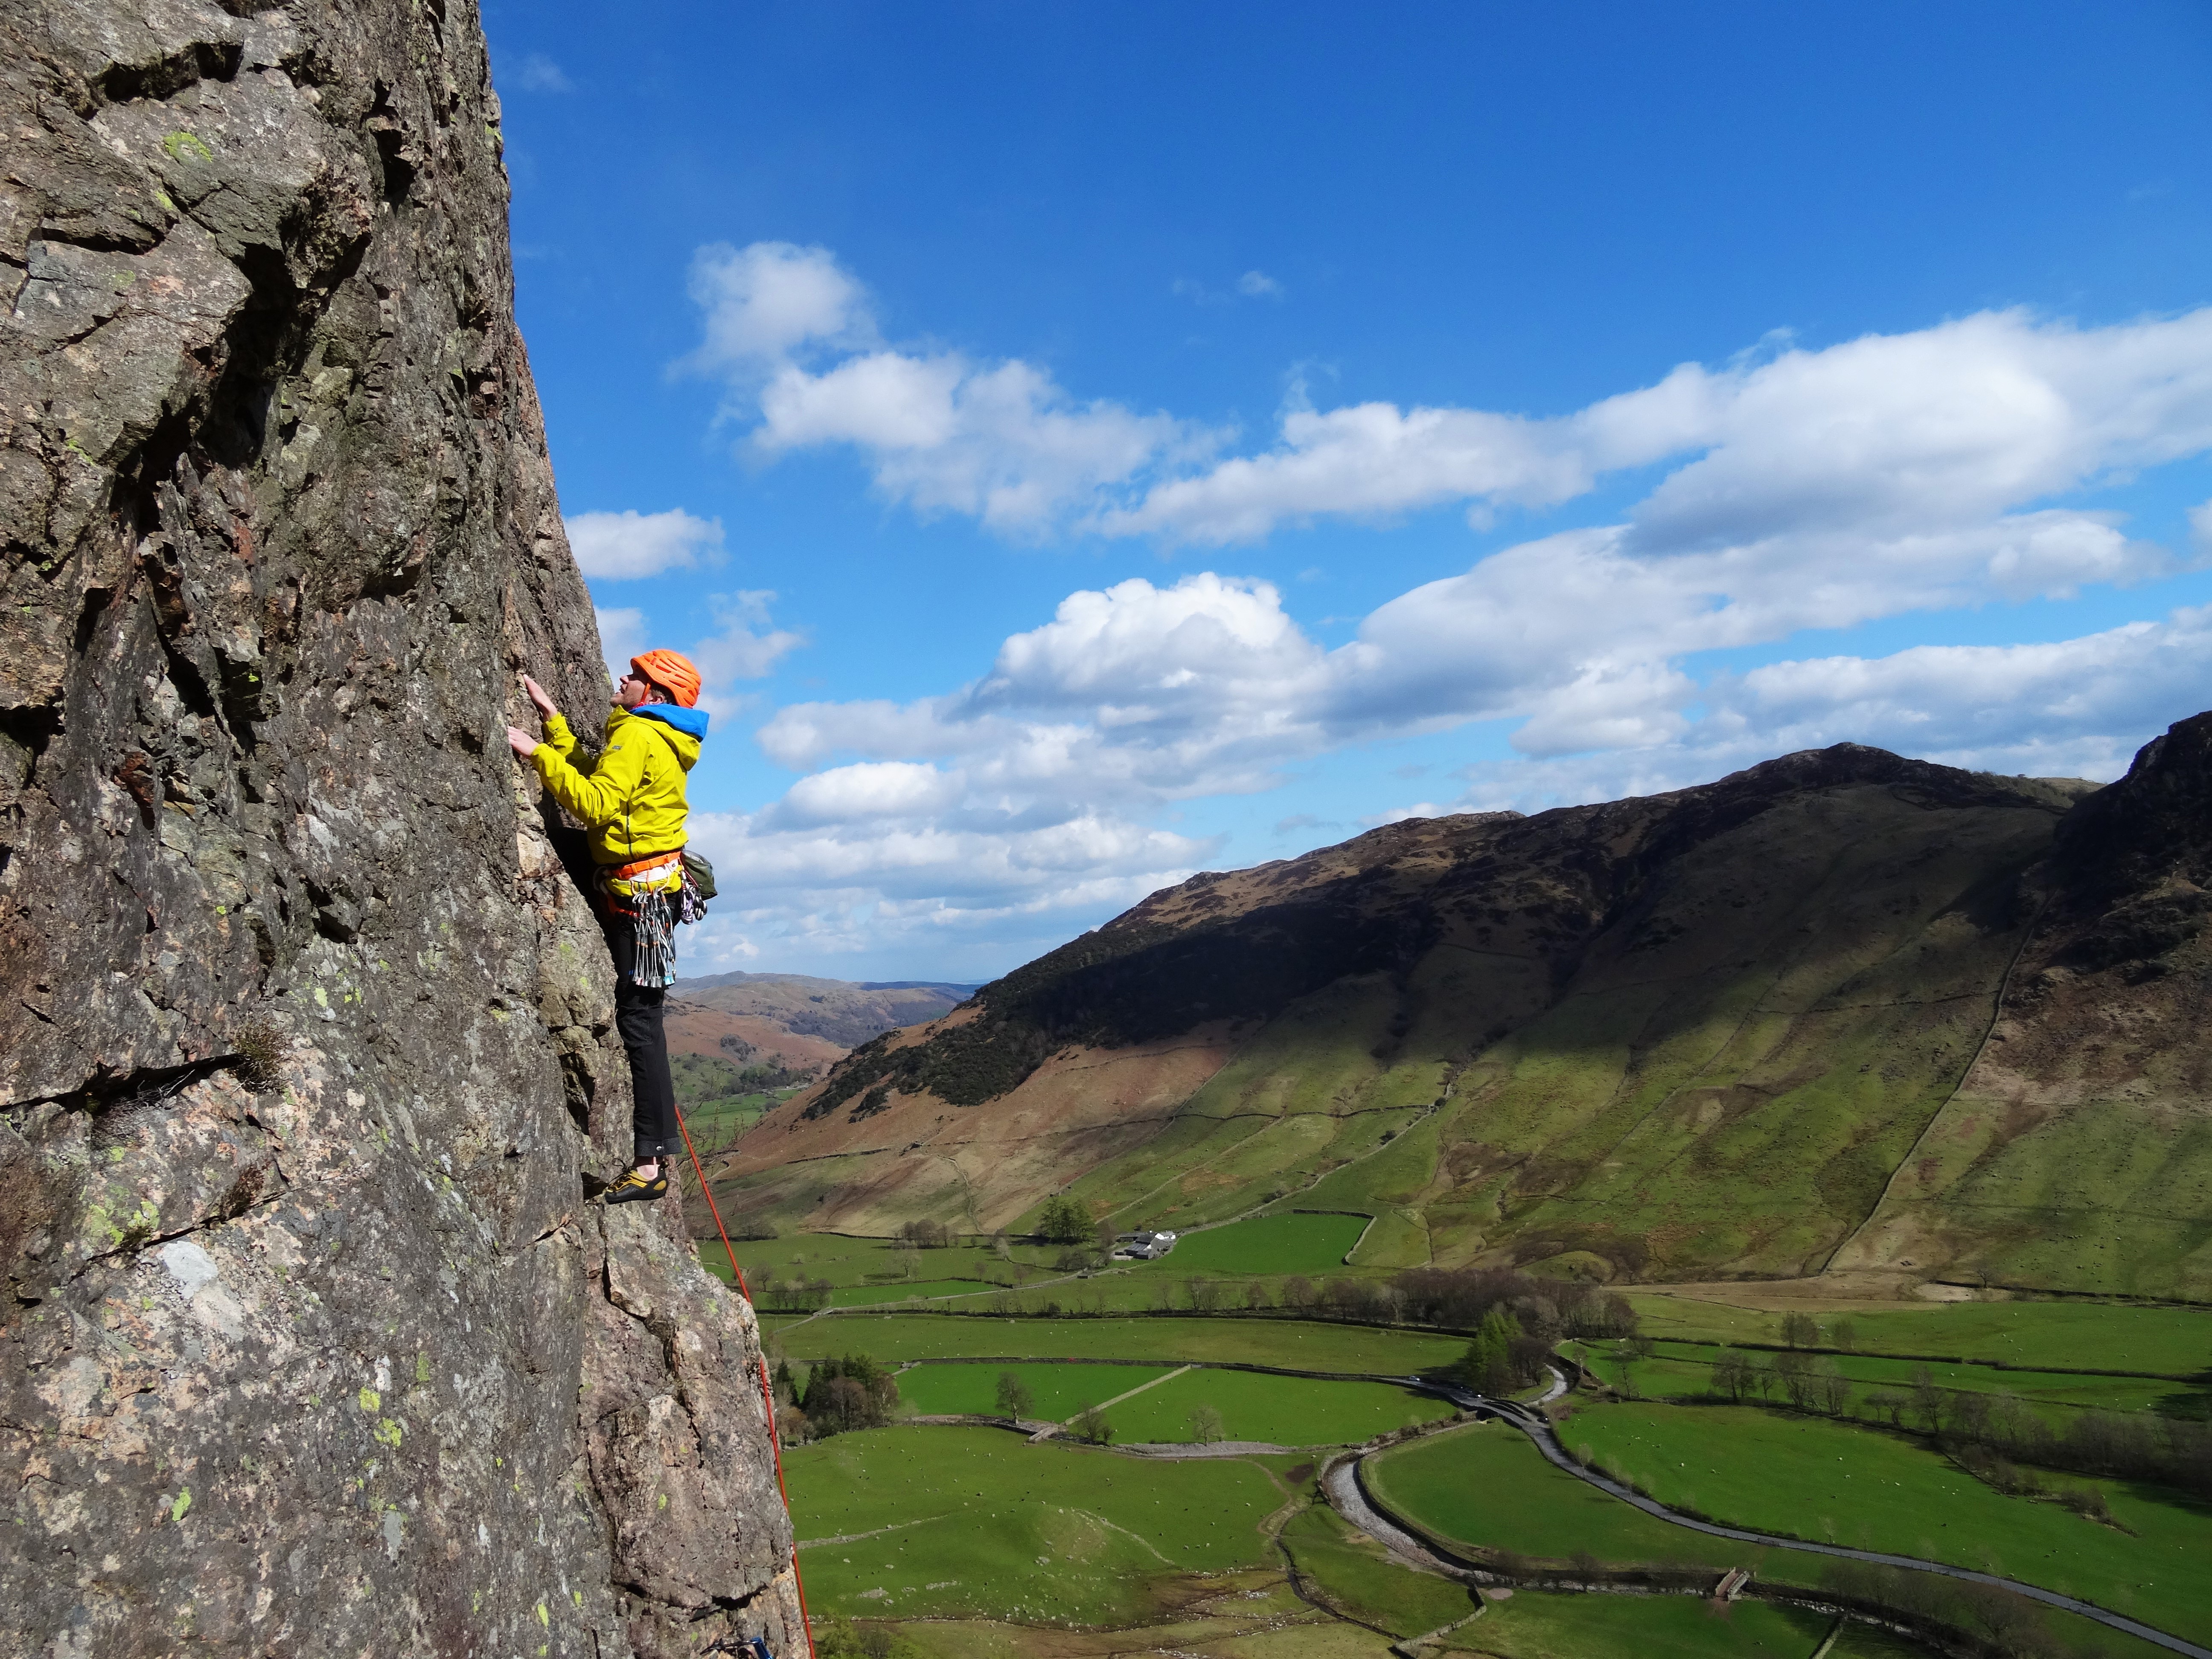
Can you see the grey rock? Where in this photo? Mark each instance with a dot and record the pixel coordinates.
(309, 1344)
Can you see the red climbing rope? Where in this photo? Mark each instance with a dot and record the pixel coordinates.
(768, 1393)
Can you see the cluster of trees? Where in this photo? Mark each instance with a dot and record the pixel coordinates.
(1997, 1432)
(927, 1234)
(1808, 1383)
(1502, 1357)
(1801, 1330)
(836, 1638)
(1090, 1425)
(1547, 1308)
(839, 1394)
(1992, 1620)
(1064, 1221)
(792, 1295)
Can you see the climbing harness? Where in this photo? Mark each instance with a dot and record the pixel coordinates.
(767, 1394)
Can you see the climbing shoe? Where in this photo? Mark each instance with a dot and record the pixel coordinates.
(634, 1189)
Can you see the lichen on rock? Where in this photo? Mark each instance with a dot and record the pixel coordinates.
(310, 1344)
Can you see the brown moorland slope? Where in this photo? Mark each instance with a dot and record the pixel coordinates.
(795, 1020)
(1719, 1032)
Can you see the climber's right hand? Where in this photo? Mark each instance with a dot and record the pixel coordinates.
(537, 693)
(521, 741)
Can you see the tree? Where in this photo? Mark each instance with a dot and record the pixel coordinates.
(1794, 1371)
(1488, 1366)
(1298, 1292)
(1063, 1221)
(1103, 1238)
(1205, 1425)
(1887, 1403)
(850, 1393)
(1732, 1375)
(1832, 1390)
(1844, 1335)
(1256, 1294)
(1090, 1425)
(1800, 1330)
(1015, 1399)
(1927, 1398)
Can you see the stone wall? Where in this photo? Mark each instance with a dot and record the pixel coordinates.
(310, 1345)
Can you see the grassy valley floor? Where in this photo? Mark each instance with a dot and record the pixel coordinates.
(959, 1540)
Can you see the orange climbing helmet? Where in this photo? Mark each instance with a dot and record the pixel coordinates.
(671, 671)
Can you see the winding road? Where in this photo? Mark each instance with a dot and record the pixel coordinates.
(1349, 1495)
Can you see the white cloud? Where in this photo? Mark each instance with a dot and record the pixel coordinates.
(1026, 794)
(1002, 443)
(793, 336)
(768, 300)
(539, 73)
(625, 546)
(1806, 490)
(1883, 433)
(1128, 697)
(2078, 708)
(746, 646)
(1901, 440)
(621, 636)
(1252, 285)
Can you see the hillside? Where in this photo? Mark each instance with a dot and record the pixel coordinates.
(1720, 1032)
(794, 1020)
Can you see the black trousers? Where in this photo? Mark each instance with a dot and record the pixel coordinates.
(639, 1010)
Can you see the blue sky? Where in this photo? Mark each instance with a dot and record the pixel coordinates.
(1084, 444)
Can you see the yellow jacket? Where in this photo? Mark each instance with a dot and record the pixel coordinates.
(633, 803)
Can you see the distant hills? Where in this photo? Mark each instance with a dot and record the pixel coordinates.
(1840, 1012)
(795, 1020)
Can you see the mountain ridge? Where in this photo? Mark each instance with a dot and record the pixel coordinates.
(1571, 1038)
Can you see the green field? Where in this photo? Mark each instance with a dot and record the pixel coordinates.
(1058, 1391)
(1241, 1615)
(1283, 1411)
(2170, 1342)
(846, 1261)
(1810, 1478)
(1354, 1574)
(1683, 1370)
(1266, 1245)
(868, 1296)
(1300, 1344)
(1486, 1487)
(1040, 1534)
(1535, 1626)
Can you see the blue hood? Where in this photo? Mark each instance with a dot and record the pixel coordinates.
(692, 722)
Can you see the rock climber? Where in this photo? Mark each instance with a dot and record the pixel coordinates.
(633, 804)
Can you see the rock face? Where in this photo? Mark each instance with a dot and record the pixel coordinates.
(309, 1345)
